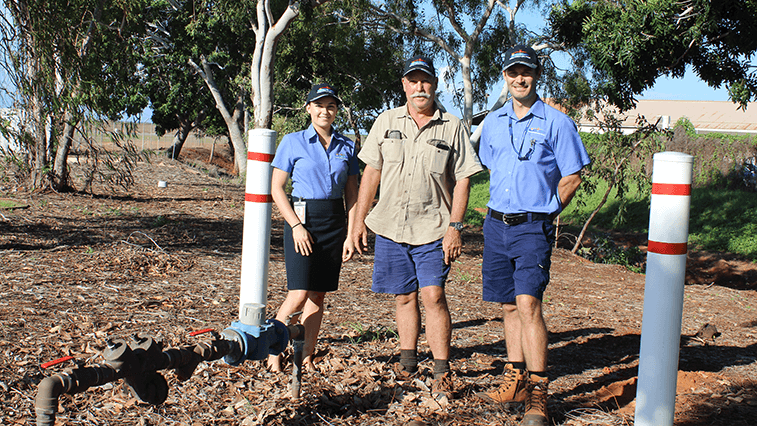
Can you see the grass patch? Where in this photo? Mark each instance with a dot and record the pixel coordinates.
(725, 221)
(360, 333)
(8, 204)
(479, 196)
(631, 213)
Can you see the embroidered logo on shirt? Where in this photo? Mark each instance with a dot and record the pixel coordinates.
(537, 131)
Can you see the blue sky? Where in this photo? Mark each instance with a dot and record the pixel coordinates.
(688, 88)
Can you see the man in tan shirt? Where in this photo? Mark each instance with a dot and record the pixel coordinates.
(423, 159)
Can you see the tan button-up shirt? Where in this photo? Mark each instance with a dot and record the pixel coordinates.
(419, 169)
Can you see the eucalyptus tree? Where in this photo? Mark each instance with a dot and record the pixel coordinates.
(232, 49)
(457, 29)
(67, 60)
(330, 43)
(472, 36)
(179, 99)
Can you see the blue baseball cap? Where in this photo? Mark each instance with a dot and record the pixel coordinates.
(321, 91)
(521, 54)
(421, 63)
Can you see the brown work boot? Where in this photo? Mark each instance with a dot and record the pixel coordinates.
(442, 387)
(536, 403)
(513, 387)
(402, 373)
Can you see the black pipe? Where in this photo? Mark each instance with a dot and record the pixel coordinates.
(138, 367)
(70, 382)
(297, 335)
(46, 403)
(137, 363)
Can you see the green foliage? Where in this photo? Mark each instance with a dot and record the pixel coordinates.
(605, 250)
(724, 220)
(631, 43)
(67, 62)
(720, 160)
(479, 197)
(685, 125)
(617, 159)
(361, 333)
(329, 44)
(178, 96)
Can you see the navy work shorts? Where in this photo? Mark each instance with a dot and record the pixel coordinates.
(400, 268)
(516, 259)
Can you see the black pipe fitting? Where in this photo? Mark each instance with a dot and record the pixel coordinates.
(137, 362)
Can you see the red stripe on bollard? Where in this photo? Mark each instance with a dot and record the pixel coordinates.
(667, 248)
(671, 189)
(259, 156)
(258, 198)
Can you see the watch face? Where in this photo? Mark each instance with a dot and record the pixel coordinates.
(457, 225)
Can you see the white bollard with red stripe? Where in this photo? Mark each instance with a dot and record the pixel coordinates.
(663, 290)
(256, 238)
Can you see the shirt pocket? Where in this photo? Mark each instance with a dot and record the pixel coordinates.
(437, 155)
(339, 170)
(536, 147)
(392, 150)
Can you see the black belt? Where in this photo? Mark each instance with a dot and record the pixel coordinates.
(518, 218)
(334, 201)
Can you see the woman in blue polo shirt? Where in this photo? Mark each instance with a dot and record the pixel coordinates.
(323, 166)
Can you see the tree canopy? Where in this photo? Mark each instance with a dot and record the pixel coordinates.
(631, 43)
(66, 61)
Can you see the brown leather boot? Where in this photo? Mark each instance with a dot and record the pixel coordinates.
(512, 389)
(536, 403)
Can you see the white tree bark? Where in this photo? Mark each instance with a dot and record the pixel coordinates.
(232, 117)
(464, 58)
(267, 35)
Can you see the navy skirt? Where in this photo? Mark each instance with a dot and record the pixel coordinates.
(326, 222)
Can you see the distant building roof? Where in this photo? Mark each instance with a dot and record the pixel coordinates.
(706, 116)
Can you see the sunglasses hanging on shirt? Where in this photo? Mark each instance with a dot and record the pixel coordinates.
(527, 155)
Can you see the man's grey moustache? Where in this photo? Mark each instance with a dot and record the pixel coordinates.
(420, 95)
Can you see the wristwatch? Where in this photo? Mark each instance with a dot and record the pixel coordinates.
(457, 225)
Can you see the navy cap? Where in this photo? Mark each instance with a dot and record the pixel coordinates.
(521, 54)
(420, 63)
(321, 91)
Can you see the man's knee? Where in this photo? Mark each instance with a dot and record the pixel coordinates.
(407, 299)
(529, 308)
(434, 297)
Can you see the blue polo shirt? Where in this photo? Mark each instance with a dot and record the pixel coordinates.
(316, 173)
(527, 157)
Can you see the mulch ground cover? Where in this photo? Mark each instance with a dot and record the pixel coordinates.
(79, 269)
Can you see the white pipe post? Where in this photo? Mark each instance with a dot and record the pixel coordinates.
(256, 238)
(663, 290)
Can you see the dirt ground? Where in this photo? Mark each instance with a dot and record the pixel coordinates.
(76, 270)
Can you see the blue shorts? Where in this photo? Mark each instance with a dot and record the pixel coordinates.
(400, 268)
(516, 259)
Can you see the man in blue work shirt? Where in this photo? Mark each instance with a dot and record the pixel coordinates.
(535, 157)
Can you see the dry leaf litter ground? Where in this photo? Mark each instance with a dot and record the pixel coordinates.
(78, 269)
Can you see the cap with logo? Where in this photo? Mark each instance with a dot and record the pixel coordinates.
(521, 54)
(420, 63)
(321, 91)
